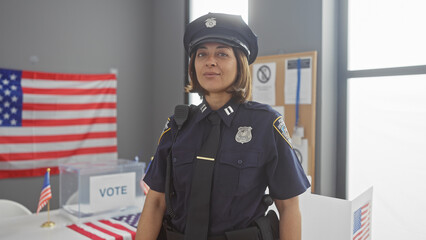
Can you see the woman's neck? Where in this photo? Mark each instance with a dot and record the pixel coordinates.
(216, 101)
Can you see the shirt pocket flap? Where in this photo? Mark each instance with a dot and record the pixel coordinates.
(240, 159)
(181, 158)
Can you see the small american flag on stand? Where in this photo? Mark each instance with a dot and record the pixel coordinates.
(362, 220)
(46, 193)
(142, 183)
(122, 227)
(144, 186)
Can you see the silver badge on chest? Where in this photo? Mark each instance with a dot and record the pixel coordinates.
(243, 135)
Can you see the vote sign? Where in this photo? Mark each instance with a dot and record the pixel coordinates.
(112, 191)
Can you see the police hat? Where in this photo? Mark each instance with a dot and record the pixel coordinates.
(224, 28)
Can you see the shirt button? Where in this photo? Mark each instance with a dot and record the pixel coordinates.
(174, 160)
(240, 162)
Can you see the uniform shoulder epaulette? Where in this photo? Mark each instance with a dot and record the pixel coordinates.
(258, 106)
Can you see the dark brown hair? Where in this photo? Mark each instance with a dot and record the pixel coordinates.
(240, 89)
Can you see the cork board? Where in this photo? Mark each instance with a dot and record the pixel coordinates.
(307, 108)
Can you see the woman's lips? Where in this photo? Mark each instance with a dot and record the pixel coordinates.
(211, 74)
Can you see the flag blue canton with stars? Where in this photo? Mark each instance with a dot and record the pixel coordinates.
(357, 220)
(10, 98)
(131, 219)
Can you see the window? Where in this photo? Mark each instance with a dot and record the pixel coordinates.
(198, 8)
(384, 34)
(386, 111)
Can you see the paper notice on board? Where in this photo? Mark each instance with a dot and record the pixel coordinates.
(301, 151)
(290, 86)
(264, 75)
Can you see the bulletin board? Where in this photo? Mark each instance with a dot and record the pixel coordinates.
(299, 89)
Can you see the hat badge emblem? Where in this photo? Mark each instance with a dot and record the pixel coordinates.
(210, 22)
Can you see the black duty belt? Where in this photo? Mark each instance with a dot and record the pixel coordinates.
(251, 233)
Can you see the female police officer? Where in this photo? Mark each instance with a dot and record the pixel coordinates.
(228, 150)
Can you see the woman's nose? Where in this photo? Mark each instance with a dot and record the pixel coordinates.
(211, 61)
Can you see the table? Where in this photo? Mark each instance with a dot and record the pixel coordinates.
(29, 226)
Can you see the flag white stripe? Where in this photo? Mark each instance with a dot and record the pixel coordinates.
(49, 84)
(42, 98)
(124, 234)
(68, 114)
(96, 232)
(57, 146)
(27, 164)
(47, 131)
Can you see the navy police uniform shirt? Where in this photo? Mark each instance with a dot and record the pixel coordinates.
(255, 152)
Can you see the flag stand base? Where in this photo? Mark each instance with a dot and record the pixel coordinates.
(48, 224)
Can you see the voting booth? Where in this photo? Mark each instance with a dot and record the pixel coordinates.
(335, 219)
(94, 188)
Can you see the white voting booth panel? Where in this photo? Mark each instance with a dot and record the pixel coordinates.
(335, 219)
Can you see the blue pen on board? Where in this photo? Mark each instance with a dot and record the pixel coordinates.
(298, 91)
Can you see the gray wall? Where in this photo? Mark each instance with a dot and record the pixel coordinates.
(143, 40)
(168, 62)
(81, 36)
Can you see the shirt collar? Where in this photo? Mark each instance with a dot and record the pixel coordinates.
(226, 112)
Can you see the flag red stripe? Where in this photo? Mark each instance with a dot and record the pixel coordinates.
(41, 206)
(44, 201)
(34, 172)
(66, 107)
(362, 231)
(56, 138)
(56, 154)
(116, 236)
(84, 232)
(68, 91)
(46, 194)
(65, 77)
(118, 226)
(67, 122)
(366, 233)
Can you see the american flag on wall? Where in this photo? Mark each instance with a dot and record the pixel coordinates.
(123, 227)
(362, 223)
(50, 117)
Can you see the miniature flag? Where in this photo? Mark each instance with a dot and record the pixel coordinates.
(50, 117)
(144, 186)
(46, 193)
(142, 183)
(362, 220)
(123, 227)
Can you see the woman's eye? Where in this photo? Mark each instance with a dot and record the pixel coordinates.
(222, 54)
(200, 54)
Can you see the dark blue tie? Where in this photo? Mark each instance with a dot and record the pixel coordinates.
(197, 222)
